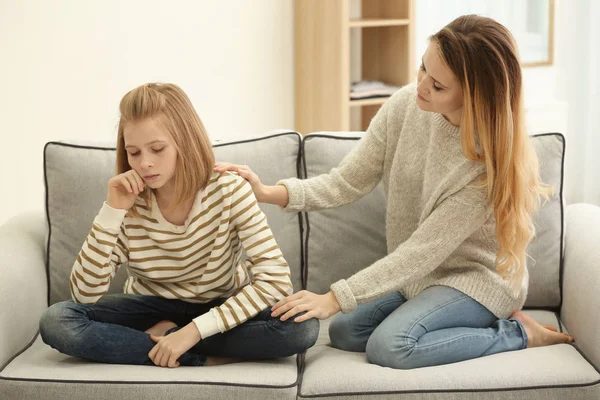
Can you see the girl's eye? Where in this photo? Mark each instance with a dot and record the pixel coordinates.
(137, 153)
(437, 89)
(158, 150)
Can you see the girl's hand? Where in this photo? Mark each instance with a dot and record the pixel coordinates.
(321, 306)
(123, 189)
(169, 348)
(245, 172)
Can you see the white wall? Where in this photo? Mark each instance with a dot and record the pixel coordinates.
(65, 64)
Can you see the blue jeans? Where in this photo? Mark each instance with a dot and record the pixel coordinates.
(112, 331)
(439, 326)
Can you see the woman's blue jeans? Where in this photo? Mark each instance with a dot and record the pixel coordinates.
(112, 331)
(439, 326)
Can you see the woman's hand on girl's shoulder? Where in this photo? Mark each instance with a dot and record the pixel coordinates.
(123, 189)
(245, 172)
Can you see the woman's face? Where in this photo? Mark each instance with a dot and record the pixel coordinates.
(438, 88)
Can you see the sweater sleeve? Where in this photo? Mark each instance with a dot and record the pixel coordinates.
(103, 252)
(271, 278)
(438, 236)
(358, 173)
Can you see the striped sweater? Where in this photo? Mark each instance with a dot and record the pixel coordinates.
(197, 262)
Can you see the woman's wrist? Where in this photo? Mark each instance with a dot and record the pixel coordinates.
(276, 194)
(262, 194)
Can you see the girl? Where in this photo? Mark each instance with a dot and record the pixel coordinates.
(461, 180)
(180, 229)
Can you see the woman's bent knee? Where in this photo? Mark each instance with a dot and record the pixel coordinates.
(344, 334)
(385, 351)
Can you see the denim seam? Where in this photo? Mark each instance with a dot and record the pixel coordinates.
(379, 307)
(523, 332)
(408, 332)
(455, 339)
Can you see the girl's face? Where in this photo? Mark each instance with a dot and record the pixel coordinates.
(438, 88)
(151, 153)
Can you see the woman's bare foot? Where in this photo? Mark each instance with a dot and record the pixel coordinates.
(211, 361)
(538, 335)
(161, 328)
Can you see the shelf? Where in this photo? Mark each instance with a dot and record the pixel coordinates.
(375, 22)
(337, 42)
(368, 102)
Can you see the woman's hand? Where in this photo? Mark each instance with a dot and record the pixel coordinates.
(321, 306)
(123, 189)
(245, 172)
(169, 348)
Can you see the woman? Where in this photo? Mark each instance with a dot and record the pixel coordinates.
(462, 184)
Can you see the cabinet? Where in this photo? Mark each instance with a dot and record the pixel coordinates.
(337, 42)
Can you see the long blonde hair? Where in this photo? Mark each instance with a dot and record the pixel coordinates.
(482, 54)
(171, 107)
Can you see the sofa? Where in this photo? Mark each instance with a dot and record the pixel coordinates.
(38, 250)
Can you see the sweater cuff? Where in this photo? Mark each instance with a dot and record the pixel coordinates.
(296, 198)
(344, 295)
(110, 218)
(208, 324)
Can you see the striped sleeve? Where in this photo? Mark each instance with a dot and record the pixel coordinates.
(103, 252)
(271, 280)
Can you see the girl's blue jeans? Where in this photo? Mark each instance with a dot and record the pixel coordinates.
(112, 331)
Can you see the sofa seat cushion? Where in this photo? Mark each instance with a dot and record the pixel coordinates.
(557, 372)
(41, 369)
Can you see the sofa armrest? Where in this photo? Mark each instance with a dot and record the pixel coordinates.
(23, 284)
(581, 279)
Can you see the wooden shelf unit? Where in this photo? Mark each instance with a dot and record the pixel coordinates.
(323, 50)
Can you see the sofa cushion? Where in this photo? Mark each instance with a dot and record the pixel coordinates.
(42, 372)
(76, 179)
(556, 372)
(344, 240)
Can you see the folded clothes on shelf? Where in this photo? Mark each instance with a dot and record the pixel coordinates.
(371, 89)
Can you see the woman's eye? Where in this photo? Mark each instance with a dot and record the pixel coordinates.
(436, 88)
(158, 150)
(137, 153)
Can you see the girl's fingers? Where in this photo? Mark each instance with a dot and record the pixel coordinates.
(172, 361)
(164, 358)
(139, 181)
(132, 183)
(126, 184)
(152, 353)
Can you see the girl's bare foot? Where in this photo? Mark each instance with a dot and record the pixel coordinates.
(538, 335)
(161, 328)
(210, 361)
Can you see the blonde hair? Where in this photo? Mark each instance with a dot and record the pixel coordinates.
(170, 106)
(482, 53)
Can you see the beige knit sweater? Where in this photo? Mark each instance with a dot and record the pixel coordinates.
(439, 228)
